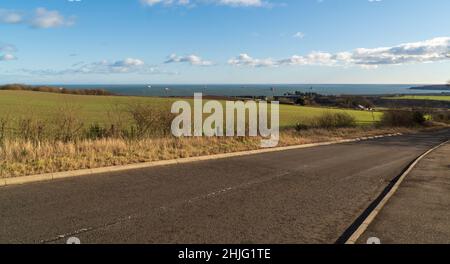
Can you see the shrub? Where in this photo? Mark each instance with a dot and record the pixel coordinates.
(328, 121)
(301, 126)
(149, 121)
(403, 118)
(419, 118)
(335, 120)
(52, 89)
(95, 131)
(68, 124)
(3, 129)
(442, 116)
(31, 129)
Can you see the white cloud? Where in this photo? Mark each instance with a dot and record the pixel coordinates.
(10, 16)
(232, 3)
(44, 18)
(128, 62)
(314, 58)
(7, 57)
(6, 51)
(235, 3)
(299, 35)
(165, 2)
(437, 49)
(246, 60)
(191, 59)
(41, 18)
(125, 66)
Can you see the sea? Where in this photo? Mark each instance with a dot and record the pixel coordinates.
(252, 89)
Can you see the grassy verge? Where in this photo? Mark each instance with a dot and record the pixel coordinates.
(20, 157)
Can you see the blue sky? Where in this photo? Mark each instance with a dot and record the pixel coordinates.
(224, 41)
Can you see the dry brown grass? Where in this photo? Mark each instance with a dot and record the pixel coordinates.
(19, 157)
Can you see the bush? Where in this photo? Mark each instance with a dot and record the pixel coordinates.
(31, 129)
(301, 126)
(335, 120)
(95, 131)
(328, 121)
(52, 89)
(68, 125)
(442, 116)
(138, 121)
(3, 129)
(419, 118)
(403, 118)
(149, 121)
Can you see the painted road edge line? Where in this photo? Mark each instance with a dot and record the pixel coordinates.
(85, 172)
(371, 217)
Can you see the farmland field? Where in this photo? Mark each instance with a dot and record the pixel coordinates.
(97, 109)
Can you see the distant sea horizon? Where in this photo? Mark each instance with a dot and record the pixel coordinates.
(251, 89)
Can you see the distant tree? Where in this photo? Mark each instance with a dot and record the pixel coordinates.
(448, 82)
(51, 89)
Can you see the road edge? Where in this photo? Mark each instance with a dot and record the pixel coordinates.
(85, 172)
(374, 213)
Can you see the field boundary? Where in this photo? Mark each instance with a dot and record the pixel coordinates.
(86, 172)
(361, 229)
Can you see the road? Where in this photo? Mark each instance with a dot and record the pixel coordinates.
(418, 212)
(298, 196)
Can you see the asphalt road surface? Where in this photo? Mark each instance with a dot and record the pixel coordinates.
(419, 212)
(297, 196)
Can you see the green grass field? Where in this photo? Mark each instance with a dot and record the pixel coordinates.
(422, 97)
(95, 109)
